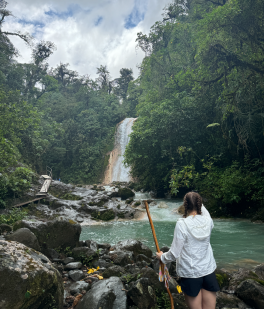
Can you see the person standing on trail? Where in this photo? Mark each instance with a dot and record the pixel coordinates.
(192, 250)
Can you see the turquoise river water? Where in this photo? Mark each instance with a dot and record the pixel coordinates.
(236, 243)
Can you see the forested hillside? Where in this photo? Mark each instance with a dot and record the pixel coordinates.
(200, 104)
(54, 117)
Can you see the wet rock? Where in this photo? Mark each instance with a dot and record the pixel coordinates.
(224, 300)
(134, 246)
(240, 276)
(78, 287)
(76, 275)
(142, 257)
(73, 265)
(102, 263)
(132, 268)
(163, 205)
(53, 234)
(179, 301)
(252, 293)
(68, 260)
(142, 294)
(32, 280)
(104, 246)
(114, 271)
(121, 258)
(26, 237)
(223, 278)
(125, 193)
(165, 249)
(52, 254)
(259, 271)
(153, 279)
(5, 228)
(84, 254)
(99, 294)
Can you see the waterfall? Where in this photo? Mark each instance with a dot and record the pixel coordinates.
(116, 171)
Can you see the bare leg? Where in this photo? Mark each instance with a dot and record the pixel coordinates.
(194, 302)
(208, 299)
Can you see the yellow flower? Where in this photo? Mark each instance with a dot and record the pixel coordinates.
(179, 289)
(97, 268)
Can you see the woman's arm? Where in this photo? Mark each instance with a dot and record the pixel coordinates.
(176, 246)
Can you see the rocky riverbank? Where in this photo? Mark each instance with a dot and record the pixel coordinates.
(87, 205)
(45, 265)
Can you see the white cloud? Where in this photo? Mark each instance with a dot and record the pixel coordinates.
(80, 42)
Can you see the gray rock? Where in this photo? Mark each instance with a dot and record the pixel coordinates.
(259, 271)
(121, 258)
(252, 293)
(84, 253)
(52, 254)
(104, 246)
(76, 275)
(132, 268)
(134, 246)
(224, 300)
(99, 295)
(5, 228)
(142, 294)
(68, 260)
(73, 265)
(53, 234)
(78, 287)
(114, 271)
(31, 280)
(102, 263)
(26, 237)
(142, 257)
(239, 276)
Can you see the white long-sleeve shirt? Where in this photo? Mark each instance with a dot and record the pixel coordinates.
(191, 246)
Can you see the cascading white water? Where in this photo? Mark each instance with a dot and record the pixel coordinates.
(116, 170)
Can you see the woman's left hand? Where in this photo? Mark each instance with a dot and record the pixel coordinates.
(158, 255)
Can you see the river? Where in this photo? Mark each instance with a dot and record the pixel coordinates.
(236, 243)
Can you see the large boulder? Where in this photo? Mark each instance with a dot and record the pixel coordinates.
(134, 246)
(26, 237)
(84, 254)
(53, 234)
(125, 193)
(252, 293)
(141, 294)
(121, 258)
(259, 271)
(224, 300)
(5, 228)
(104, 294)
(114, 271)
(239, 276)
(30, 279)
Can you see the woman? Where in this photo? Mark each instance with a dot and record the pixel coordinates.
(192, 250)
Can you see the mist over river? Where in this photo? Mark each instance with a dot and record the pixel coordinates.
(236, 243)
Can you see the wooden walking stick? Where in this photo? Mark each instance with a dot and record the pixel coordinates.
(158, 249)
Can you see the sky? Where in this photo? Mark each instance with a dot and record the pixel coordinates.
(87, 33)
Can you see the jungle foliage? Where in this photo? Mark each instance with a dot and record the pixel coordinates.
(54, 116)
(200, 103)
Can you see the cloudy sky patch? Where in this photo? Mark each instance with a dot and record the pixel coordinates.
(86, 33)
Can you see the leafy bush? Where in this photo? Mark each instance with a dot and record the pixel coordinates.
(12, 216)
(14, 183)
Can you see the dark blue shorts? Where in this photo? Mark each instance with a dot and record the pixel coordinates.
(192, 286)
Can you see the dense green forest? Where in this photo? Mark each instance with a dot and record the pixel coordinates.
(200, 105)
(54, 117)
(198, 99)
